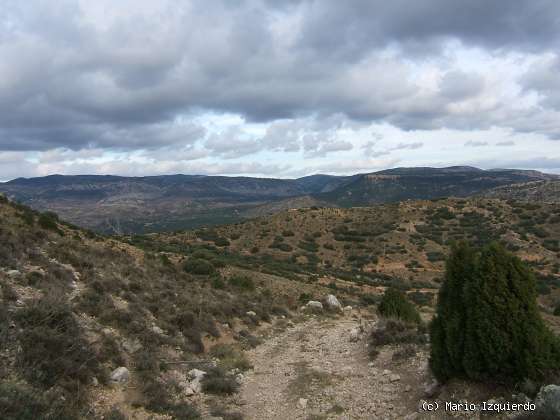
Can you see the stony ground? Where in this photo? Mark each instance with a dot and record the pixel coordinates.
(314, 371)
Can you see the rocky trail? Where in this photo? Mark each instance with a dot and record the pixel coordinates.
(320, 369)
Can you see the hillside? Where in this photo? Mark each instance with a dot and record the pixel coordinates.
(403, 244)
(399, 184)
(536, 191)
(112, 204)
(113, 327)
(76, 306)
(124, 204)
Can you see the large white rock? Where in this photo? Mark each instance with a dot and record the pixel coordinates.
(120, 375)
(354, 335)
(313, 304)
(333, 303)
(196, 383)
(548, 401)
(196, 373)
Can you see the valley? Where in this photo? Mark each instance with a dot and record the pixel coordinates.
(235, 320)
(125, 205)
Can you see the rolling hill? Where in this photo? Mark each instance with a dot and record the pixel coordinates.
(113, 204)
(536, 191)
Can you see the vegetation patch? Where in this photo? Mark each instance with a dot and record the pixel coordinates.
(488, 325)
(394, 304)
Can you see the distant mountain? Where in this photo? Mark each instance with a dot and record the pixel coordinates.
(155, 203)
(536, 191)
(400, 184)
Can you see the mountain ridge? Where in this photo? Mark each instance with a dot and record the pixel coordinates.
(179, 201)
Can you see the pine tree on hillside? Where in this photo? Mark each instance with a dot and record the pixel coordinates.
(448, 328)
(488, 326)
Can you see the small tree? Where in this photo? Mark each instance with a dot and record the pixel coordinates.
(448, 327)
(394, 304)
(487, 325)
(199, 266)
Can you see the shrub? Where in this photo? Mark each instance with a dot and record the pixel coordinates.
(8, 292)
(199, 266)
(435, 256)
(217, 381)
(308, 246)
(28, 217)
(230, 358)
(160, 401)
(421, 298)
(394, 304)
(114, 414)
(218, 282)
(395, 331)
(48, 220)
(487, 326)
(305, 297)
(203, 254)
(19, 401)
(221, 242)
(369, 299)
(242, 282)
(52, 347)
(557, 310)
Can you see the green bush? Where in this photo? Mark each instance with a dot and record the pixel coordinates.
(229, 357)
(49, 221)
(218, 282)
(394, 304)
(199, 266)
(369, 299)
(217, 381)
(242, 282)
(221, 242)
(557, 310)
(19, 401)
(52, 347)
(487, 326)
(305, 297)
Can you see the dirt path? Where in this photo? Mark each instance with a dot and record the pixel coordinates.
(313, 371)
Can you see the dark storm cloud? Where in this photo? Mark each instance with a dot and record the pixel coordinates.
(70, 78)
(346, 28)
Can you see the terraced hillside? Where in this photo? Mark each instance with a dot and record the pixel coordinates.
(403, 244)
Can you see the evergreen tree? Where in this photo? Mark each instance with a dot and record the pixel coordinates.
(394, 304)
(488, 326)
(448, 328)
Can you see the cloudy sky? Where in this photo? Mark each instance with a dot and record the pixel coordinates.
(280, 88)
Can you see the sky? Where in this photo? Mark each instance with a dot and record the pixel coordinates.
(277, 88)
